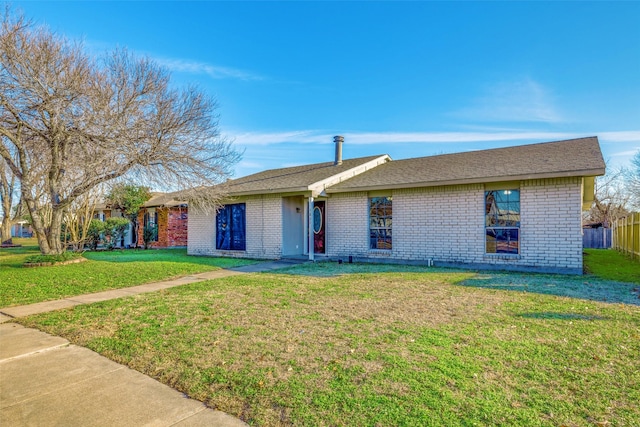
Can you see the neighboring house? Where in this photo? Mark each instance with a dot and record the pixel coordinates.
(171, 218)
(104, 211)
(516, 208)
(21, 229)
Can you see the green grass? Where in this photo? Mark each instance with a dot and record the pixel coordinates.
(102, 271)
(354, 345)
(350, 344)
(612, 265)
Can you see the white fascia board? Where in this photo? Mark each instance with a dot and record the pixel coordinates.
(318, 188)
(478, 180)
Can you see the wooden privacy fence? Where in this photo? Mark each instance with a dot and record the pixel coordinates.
(596, 238)
(626, 235)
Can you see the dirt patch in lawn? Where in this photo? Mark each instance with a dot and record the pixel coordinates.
(297, 326)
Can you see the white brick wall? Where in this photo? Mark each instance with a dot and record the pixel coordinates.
(551, 223)
(438, 223)
(201, 233)
(264, 230)
(347, 227)
(264, 227)
(446, 224)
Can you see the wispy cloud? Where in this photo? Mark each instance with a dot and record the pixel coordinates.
(523, 100)
(371, 138)
(450, 137)
(626, 153)
(269, 138)
(250, 165)
(97, 48)
(213, 71)
(621, 136)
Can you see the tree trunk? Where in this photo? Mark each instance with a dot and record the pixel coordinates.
(6, 196)
(36, 223)
(6, 231)
(48, 237)
(55, 232)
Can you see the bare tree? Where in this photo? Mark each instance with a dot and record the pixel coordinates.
(633, 182)
(76, 122)
(610, 200)
(77, 219)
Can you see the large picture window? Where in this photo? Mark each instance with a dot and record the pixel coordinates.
(380, 219)
(231, 228)
(502, 221)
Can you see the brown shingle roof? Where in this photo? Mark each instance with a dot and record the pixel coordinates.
(163, 200)
(575, 157)
(293, 179)
(157, 200)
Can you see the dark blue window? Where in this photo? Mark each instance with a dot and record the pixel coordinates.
(231, 228)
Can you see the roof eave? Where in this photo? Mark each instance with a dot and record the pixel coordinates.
(479, 180)
(298, 190)
(169, 204)
(318, 188)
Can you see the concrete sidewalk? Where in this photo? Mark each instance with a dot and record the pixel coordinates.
(46, 381)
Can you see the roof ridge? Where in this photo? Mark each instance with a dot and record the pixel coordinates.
(510, 147)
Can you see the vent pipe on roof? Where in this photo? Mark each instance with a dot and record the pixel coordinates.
(338, 141)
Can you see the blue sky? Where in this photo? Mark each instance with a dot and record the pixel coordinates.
(407, 79)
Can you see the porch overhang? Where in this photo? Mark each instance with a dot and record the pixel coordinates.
(588, 192)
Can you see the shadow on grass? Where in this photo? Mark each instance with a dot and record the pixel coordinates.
(12, 266)
(14, 257)
(20, 250)
(582, 287)
(166, 255)
(559, 316)
(136, 255)
(334, 269)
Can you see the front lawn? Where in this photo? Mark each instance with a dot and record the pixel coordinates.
(355, 345)
(102, 271)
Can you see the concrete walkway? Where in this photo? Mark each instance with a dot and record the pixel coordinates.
(46, 381)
